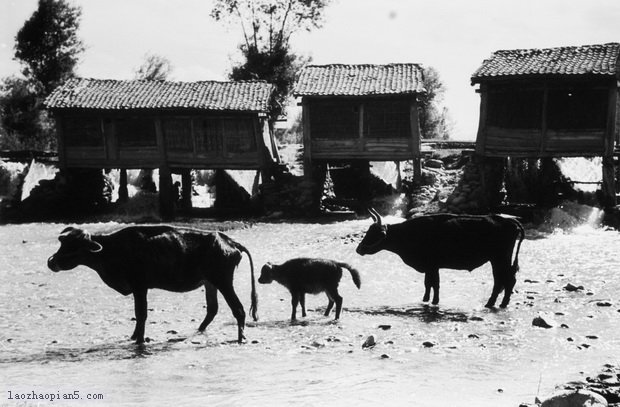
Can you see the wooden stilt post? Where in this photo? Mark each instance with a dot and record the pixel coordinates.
(166, 198)
(123, 193)
(399, 177)
(186, 188)
(609, 182)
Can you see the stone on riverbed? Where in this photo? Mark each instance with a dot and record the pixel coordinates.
(543, 322)
(369, 342)
(572, 398)
(571, 287)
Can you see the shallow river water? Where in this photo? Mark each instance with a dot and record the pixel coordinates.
(67, 332)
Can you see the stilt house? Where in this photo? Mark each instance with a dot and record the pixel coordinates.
(360, 112)
(554, 102)
(172, 126)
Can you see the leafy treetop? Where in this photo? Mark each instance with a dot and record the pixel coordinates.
(47, 44)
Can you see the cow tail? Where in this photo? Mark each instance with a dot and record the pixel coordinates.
(515, 264)
(254, 295)
(355, 275)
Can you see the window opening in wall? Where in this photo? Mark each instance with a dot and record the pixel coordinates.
(83, 132)
(515, 108)
(136, 132)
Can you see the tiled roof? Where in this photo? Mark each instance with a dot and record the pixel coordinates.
(598, 60)
(359, 80)
(107, 94)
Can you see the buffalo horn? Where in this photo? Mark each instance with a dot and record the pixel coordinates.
(375, 215)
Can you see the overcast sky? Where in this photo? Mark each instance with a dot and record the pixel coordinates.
(454, 36)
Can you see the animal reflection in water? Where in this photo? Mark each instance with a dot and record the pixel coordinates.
(465, 242)
(138, 258)
(303, 276)
(424, 313)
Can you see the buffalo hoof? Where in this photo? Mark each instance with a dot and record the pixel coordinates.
(490, 305)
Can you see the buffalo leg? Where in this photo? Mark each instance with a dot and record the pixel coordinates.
(236, 307)
(330, 305)
(294, 302)
(508, 291)
(212, 305)
(431, 280)
(498, 283)
(333, 294)
(427, 288)
(435, 287)
(509, 283)
(140, 307)
(302, 302)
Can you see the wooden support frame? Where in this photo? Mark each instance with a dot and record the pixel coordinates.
(416, 135)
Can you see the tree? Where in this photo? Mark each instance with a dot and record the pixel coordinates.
(267, 26)
(24, 124)
(48, 46)
(154, 68)
(434, 118)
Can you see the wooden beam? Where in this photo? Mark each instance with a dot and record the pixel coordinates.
(186, 188)
(361, 127)
(416, 135)
(482, 120)
(123, 193)
(166, 198)
(62, 154)
(608, 187)
(610, 131)
(307, 139)
(543, 125)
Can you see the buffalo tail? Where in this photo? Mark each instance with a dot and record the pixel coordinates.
(254, 295)
(515, 264)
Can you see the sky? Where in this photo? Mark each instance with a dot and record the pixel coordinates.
(453, 36)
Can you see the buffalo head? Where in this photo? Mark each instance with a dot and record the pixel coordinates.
(75, 244)
(375, 235)
(266, 274)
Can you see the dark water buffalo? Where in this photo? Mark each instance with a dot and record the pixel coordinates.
(135, 259)
(309, 276)
(465, 242)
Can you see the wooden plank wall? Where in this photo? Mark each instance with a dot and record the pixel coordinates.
(111, 155)
(358, 146)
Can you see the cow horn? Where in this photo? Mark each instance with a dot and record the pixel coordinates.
(96, 247)
(375, 216)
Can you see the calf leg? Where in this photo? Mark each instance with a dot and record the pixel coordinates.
(140, 308)
(236, 307)
(335, 297)
(212, 305)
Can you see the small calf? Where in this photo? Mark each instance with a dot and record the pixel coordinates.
(312, 276)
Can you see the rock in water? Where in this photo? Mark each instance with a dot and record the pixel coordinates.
(541, 322)
(571, 398)
(571, 288)
(369, 342)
